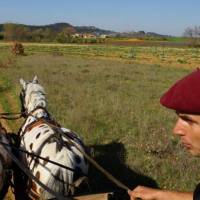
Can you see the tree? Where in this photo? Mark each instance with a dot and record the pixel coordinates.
(66, 35)
(37, 35)
(17, 32)
(192, 32)
(194, 36)
(48, 35)
(9, 31)
(197, 31)
(22, 33)
(61, 38)
(69, 30)
(1, 36)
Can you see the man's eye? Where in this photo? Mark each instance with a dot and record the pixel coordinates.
(190, 121)
(187, 120)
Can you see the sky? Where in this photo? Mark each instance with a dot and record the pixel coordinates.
(168, 17)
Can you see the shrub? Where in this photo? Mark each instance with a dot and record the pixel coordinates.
(17, 49)
(132, 53)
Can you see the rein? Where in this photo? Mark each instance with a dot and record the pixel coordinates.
(97, 166)
(15, 115)
(89, 158)
(40, 157)
(30, 175)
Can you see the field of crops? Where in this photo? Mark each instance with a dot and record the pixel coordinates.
(165, 56)
(110, 96)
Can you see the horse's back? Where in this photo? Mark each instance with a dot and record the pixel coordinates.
(52, 144)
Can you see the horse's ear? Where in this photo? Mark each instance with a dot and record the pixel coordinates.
(35, 79)
(23, 83)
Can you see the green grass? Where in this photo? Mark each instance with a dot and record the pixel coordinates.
(7, 92)
(177, 39)
(114, 106)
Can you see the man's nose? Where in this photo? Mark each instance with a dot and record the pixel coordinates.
(179, 128)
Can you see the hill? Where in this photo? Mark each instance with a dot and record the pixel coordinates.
(58, 27)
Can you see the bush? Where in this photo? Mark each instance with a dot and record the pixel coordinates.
(132, 53)
(17, 49)
(194, 42)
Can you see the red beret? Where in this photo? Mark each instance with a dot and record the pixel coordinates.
(184, 95)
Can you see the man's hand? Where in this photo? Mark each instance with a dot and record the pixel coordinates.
(145, 193)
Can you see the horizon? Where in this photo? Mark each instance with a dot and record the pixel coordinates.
(166, 18)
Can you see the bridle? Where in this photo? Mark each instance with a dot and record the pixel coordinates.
(24, 112)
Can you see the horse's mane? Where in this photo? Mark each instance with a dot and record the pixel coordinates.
(35, 88)
(35, 96)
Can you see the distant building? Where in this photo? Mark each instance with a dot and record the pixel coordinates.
(83, 35)
(104, 36)
(77, 35)
(89, 35)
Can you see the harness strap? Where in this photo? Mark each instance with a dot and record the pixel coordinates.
(96, 165)
(30, 175)
(42, 158)
(38, 122)
(33, 124)
(30, 126)
(10, 118)
(4, 116)
(7, 113)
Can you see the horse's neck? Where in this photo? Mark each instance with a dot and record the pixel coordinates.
(35, 100)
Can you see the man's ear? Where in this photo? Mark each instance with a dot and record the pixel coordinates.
(35, 79)
(23, 83)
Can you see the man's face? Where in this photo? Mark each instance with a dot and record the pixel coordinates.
(188, 128)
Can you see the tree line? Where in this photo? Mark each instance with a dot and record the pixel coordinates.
(22, 33)
(192, 32)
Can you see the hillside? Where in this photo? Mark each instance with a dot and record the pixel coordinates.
(58, 27)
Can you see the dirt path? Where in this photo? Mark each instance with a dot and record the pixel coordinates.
(6, 125)
(3, 121)
(14, 108)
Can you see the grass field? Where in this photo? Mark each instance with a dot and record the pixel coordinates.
(110, 96)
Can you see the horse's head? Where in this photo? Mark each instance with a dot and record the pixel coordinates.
(32, 95)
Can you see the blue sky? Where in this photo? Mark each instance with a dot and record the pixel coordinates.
(169, 17)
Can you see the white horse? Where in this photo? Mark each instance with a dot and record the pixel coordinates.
(5, 163)
(41, 135)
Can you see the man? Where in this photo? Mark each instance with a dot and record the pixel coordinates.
(183, 97)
